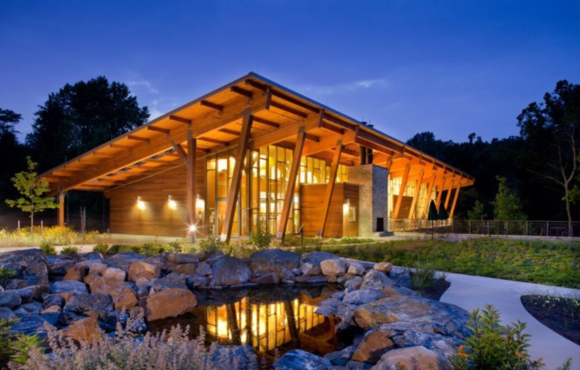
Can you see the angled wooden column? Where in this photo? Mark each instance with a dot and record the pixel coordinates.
(449, 195)
(300, 138)
(237, 176)
(330, 186)
(428, 197)
(401, 191)
(416, 195)
(440, 193)
(61, 196)
(190, 160)
(454, 201)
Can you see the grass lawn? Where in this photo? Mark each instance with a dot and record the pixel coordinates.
(545, 262)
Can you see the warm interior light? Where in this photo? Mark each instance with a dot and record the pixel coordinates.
(140, 203)
(171, 203)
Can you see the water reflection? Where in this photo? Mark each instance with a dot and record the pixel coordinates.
(273, 319)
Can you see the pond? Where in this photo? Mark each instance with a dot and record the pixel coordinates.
(271, 320)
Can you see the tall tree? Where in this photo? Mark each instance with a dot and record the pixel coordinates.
(80, 117)
(551, 131)
(507, 205)
(9, 148)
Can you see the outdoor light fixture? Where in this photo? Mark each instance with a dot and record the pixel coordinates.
(172, 204)
(192, 229)
(140, 203)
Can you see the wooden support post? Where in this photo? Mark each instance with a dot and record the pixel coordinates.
(401, 191)
(191, 192)
(61, 197)
(428, 197)
(438, 202)
(291, 183)
(416, 195)
(330, 186)
(448, 197)
(454, 201)
(237, 176)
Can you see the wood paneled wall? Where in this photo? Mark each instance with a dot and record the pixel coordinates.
(338, 224)
(405, 210)
(157, 218)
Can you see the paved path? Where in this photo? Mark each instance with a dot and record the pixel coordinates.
(470, 292)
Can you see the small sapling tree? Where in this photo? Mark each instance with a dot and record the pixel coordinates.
(33, 190)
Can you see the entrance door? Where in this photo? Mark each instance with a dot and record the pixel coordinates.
(221, 215)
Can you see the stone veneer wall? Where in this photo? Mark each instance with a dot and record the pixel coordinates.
(373, 196)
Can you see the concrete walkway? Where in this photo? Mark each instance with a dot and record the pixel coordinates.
(471, 292)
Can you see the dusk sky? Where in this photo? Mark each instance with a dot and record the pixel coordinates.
(450, 67)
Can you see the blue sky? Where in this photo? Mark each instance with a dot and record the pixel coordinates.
(450, 67)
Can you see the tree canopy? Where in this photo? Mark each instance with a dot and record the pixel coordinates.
(81, 117)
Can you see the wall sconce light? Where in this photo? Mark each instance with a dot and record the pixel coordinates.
(140, 203)
(171, 203)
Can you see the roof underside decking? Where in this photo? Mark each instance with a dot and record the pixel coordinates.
(215, 121)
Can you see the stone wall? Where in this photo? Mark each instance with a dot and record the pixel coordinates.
(373, 196)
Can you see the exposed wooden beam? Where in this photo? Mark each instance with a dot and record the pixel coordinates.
(291, 184)
(215, 141)
(333, 128)
(329, 142)
(339, 122)
(61, 198)
(266, 122)
(182, 154)
(237, 176)
(330, 187)
(284, 133)
(401, 192)
(283, 96)
(454, 201)
(232, 112)
(288, 109)
(158, 129)
(416, 195)
(428, 197)
(139, 138)
(211, 105)
(241, 91)
(228, 131)
(440, 192)
(180, 119)
(191, 162)
(119, 146)
(448, 197)
(311, 137)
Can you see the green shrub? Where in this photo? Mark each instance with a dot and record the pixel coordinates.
(423, 277)
(260, 237)
(211, 244)
(177, 246)
(15, 347)
(48, 249)
(101, 248)
(6, 274)
(69, 250)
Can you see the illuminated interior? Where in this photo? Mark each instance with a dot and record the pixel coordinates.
(263, 326)
(263, 188)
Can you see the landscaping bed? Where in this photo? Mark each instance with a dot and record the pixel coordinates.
(562, 315)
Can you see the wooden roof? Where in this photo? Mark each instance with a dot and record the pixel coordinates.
(215, 120)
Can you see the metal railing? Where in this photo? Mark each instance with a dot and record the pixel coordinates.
(556, 229)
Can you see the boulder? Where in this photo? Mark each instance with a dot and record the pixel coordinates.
(393, 291)
(356, 268)
(450, 319)
(308, 268)
(37, 271)
(196, 281)
(315, 258)
(6, 314)
(375, 279)
(353, 283)
(402, 277)
(97, 268)
(159, 260)
(185, 269)
(33, 292)
(170, 303)
(50, 300)
(419, 358)
(13, 284)
(114, 273)
(88, 264)
(203, 269)
(443, 345)
(362, 296)
(272, 260)
(123, 260)
(311, 279)
(122, 293)
(270, 278)
(139, 269)
(10, 299)
(342, 357)
(29, 324)
(59, 264)
(182, 258)
(333, 267)
(32, 307)
(302, 360)
(85, 330)
(68, 286)
(230, 271)
(84, 303)
(372, 347)
(211, 260)
(51, 310)
(385, 267)
(75, 273)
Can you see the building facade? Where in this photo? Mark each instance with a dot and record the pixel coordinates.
(255, 153)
